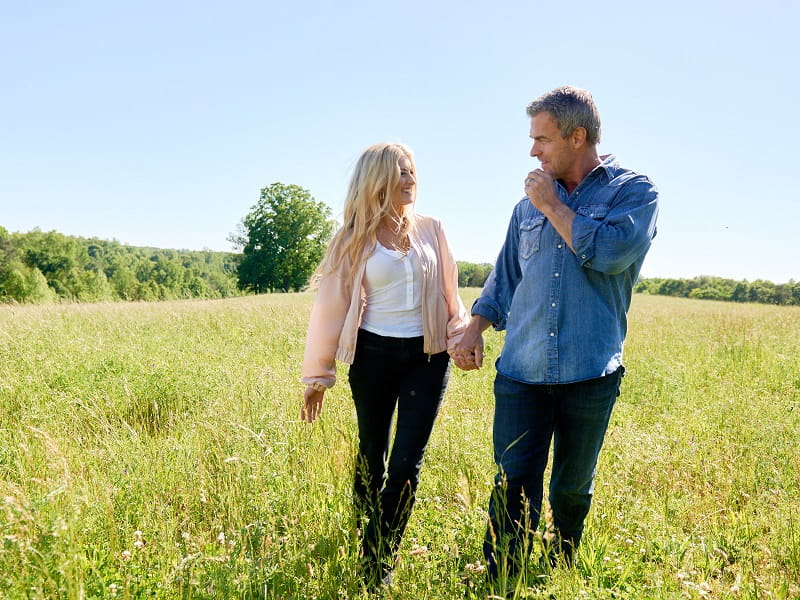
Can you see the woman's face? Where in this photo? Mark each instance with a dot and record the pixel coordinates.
(405, 192)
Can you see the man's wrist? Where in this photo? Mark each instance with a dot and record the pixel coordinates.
(479, 323)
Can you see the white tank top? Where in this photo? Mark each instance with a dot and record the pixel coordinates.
(393, 284)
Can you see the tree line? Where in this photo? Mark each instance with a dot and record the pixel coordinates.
(717, 288)
(38, 266)
(282, 239)
(704, 287)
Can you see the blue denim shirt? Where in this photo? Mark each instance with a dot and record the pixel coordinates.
(565, 313)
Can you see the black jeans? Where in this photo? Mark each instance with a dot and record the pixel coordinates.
(389, 373)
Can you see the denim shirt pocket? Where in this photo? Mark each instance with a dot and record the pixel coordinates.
(530, 236)
(598, 212)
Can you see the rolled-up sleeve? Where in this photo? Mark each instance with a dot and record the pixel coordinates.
(612, 238)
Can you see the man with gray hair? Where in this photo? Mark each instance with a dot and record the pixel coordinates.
(561, 288)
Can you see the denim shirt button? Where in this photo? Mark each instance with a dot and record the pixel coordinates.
(552, 334)
(583, 256)
(556, 275)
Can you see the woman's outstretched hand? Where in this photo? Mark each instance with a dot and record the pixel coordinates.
(312, 404)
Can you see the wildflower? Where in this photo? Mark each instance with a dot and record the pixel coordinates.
(417, 550)
(138, 539)
(476, 568)
(126, 555)
(221, 537)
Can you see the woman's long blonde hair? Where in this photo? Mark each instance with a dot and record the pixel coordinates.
(368, 201)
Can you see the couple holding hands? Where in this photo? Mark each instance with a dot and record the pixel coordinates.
(387, 304)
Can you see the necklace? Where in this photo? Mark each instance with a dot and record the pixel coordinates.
(393, 240)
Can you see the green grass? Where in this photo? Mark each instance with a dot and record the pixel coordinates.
(154, 451)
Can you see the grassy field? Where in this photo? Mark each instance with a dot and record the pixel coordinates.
(154, 451)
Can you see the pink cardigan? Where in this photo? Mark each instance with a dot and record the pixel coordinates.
(339, 306)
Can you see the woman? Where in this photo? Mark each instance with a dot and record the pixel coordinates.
(388, 305)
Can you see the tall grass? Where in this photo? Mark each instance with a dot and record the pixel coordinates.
(154, 451)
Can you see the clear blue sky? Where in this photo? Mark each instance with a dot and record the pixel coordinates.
(157, 123)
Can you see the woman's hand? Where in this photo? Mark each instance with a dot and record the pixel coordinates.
(468, 354)
(312, 404)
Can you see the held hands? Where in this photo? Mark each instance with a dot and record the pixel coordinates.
(468, 354)
(312, 404)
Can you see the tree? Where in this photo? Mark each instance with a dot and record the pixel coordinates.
(43, 267)
(283, 238)
(473, 275)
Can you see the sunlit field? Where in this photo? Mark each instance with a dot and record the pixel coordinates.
(155, 451)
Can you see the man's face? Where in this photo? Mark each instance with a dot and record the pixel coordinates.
(555, 153)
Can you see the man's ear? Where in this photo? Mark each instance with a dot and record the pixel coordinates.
(578, 137)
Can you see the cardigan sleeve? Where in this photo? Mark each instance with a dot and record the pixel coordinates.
(324, 328)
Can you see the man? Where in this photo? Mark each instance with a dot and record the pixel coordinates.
(561, 288)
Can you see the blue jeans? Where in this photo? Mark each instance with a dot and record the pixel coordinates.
(527, 417)
(387, 374)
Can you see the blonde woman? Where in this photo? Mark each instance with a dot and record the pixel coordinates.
(388, 305)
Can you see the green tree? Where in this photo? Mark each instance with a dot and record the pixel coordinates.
(20, 283)
(47, 266)
(282, 238)
(472, 274)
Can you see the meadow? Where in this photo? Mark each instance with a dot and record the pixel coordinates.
(154, 450)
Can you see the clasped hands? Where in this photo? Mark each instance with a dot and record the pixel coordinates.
(467, 353)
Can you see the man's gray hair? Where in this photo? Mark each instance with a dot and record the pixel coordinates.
(571, 107)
